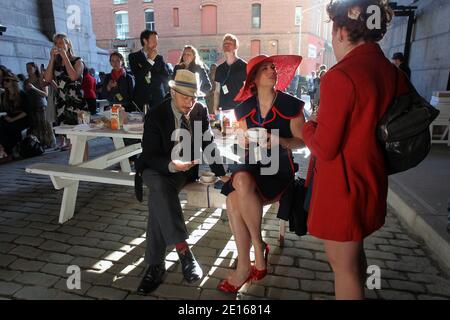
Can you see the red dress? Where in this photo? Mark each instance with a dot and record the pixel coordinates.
(350, 183)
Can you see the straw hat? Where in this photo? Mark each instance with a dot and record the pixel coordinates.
(187, 83)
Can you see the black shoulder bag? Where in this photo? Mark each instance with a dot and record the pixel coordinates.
(404, 130)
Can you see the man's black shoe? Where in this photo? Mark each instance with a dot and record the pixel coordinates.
(190, 267)
(152, 279)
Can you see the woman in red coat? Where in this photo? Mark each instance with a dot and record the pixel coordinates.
(347, 173)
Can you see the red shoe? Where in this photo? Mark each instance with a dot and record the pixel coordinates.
(225, 286)
(259, 274)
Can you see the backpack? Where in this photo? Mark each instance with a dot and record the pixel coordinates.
(404, 130)
(30, 147)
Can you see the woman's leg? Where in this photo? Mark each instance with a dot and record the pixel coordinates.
(249, 206)
(243, 241)
(345, 259)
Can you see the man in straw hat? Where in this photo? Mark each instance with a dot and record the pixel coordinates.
(165, 175)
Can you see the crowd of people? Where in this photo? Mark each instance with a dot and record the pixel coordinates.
(346, 167)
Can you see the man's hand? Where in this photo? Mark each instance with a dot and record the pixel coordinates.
(225, 179)
(183, 166)
(153, 54)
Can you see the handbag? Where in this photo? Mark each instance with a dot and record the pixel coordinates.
(298, 216)
(30, 146)
(404, 131)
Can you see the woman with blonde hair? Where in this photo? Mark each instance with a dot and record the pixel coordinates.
(191, 60)
(67, 71)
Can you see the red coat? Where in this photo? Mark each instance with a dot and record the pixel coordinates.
(89, 85)
(350, 183)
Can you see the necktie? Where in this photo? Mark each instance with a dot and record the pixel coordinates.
(185, 124)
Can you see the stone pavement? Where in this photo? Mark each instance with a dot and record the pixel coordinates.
(421, 197)
(106, 240)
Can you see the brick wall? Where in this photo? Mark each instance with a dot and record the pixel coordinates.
(233, 16)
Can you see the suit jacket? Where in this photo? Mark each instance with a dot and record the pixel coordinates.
(157, 144)
(349, 188)
(148, 93)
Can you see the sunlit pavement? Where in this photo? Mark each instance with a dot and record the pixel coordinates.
(105, 239)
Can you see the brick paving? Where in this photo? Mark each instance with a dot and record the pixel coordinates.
(106, 240)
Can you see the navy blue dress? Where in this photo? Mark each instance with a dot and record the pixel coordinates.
(284, 109)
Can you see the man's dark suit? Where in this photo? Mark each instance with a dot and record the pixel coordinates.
(148, 93)
(165, 220)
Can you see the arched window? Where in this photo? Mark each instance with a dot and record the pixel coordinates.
(150, 19)
(122, 27)
(256, 15)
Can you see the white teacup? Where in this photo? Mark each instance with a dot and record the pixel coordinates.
(255, 134)
(208, 177)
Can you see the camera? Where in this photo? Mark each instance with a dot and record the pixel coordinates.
(2, 29)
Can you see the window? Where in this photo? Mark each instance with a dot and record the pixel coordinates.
(119, 1)
(312, 51)
(150, 19)
(176, 18)
(255, 48)
(209, 19)
(256, 16)
(298, 15)
(122, 28)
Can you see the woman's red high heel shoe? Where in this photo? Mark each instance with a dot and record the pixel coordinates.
(225, 286)
(259, 274)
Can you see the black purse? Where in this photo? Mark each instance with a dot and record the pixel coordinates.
(298, 216)
(404, 130)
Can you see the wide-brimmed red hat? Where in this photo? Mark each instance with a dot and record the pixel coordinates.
(286, 66)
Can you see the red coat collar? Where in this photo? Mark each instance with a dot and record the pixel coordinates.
(364, 49)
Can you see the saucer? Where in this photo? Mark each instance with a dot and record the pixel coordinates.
(207, 183)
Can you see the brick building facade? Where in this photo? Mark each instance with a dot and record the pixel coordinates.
(269, 26)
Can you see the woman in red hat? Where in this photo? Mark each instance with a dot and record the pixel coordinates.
(349, 181)
(281, 115)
